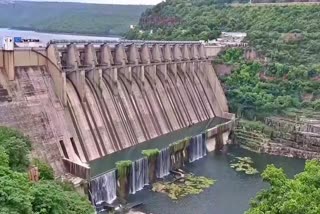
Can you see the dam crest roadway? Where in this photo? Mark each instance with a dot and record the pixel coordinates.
(100, 98)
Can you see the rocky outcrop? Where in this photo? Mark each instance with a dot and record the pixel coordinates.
(291, 138)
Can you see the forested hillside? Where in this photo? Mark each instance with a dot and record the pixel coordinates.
(288, 36)
(70, 17)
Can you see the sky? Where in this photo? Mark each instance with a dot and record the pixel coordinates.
(149, 2)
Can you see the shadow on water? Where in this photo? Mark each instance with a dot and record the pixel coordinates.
(231, 193)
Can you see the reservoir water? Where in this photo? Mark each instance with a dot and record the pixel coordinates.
(46, 37)
(232, 192)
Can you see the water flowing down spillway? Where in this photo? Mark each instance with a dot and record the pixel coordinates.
(197, 148)
(104, 188)
(139, 175)
(163, 163)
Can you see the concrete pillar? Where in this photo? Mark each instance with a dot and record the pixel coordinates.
(185, 52)
(95, 77)
(91, 61)
(128, 73)
(156, 53)
(90, 58)
(183, 70)
(151, 72)
(202, 52)
(9, 64)
(113, 74)
(63, 97)
(145, 54)
(133, 55)
(219, 141)
(167, 53)
(120, 55)
(173, 69)
(145, 57)
(192, 69)
(58, 76)
(163, 71)
(73, 60)
(194, 52)
(177, 55)
(78, 79)
(106, 57)
(141, 74)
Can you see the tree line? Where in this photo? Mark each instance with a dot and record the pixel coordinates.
(19, 195)
(77, 18)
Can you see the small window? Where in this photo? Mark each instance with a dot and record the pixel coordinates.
(63, 149)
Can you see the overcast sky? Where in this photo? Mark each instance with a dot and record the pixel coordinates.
(110, 1)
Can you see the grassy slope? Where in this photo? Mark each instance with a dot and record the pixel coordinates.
(70, 17)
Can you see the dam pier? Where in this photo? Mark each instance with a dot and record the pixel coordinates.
(85, 105)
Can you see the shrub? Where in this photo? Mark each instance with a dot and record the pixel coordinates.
(46, 171)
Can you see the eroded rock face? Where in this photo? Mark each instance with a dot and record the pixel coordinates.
(300, 138)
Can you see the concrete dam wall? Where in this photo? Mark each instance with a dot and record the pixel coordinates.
(105, 97)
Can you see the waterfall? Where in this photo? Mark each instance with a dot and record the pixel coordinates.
(104, 188)
(139, 175)
(197, 148)
(163, 163)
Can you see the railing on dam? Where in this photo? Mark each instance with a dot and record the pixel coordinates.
(122, 41)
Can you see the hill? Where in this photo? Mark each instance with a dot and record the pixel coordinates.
(288, 36)
(65, 17)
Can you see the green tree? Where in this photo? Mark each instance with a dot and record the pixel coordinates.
(4, 158)
(289, 196)
(50, 198)
(20, 196)
(45, 170)
(18, 151)
(15, 197)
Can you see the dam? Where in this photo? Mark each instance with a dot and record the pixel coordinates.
(84, 104)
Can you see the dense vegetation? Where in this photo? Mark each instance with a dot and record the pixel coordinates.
(70, 17)
(252, 96)
(18, 195)
(288, 36)
(289, 196)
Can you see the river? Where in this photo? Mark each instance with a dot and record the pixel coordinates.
(46, 37)
(231, 193)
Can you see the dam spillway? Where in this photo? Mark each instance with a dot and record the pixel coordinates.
(120, 95)
(116, 95)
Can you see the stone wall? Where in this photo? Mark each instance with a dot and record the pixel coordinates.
(292, 138)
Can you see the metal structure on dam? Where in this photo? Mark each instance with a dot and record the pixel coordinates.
(84, 101)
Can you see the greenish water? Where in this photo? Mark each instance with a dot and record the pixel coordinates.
(107, 163)
(231, 193)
